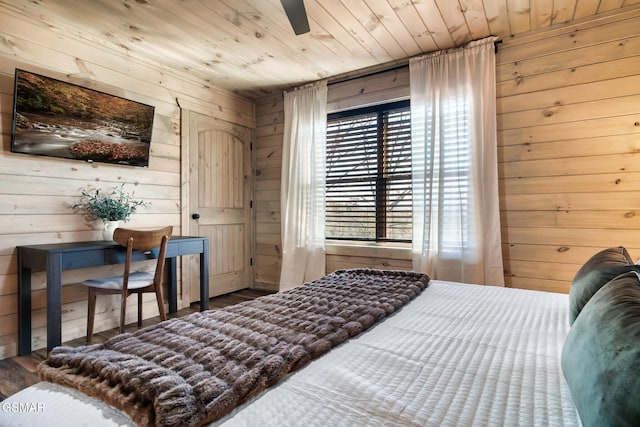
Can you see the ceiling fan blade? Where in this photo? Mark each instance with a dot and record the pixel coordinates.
(297, 15)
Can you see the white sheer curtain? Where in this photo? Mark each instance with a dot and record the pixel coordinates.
(456, 219)
(303, 185)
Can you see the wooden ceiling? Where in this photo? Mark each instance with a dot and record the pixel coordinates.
(248, 46)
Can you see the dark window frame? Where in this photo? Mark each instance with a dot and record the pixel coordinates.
(382, 178)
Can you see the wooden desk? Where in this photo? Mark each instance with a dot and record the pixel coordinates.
(55, 258)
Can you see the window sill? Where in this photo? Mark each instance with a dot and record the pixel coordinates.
(394, 250)
(363, 243)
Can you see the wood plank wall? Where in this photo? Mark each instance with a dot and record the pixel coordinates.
(569, 137)
(568, 142)
(34, 190)
(267, 153)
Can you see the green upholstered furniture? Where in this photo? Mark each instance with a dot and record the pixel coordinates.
(601, 356)
(595, 273)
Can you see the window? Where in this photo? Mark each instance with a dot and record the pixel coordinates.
(368, 188)
(449, 190)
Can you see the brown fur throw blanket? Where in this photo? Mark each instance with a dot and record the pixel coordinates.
(192, 370)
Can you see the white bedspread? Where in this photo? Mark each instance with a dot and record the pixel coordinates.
(458, 355)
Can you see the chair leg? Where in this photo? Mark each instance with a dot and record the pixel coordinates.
(91, 313)
(123, 310)
(139, 309)
(160, 299)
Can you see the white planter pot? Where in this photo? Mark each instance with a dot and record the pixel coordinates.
(109, 228)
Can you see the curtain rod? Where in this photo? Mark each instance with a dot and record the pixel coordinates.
(370, 74)
(394, 68)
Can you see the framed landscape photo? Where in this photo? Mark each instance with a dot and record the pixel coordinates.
(60, 119)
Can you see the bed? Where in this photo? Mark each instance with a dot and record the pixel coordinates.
(451, 354)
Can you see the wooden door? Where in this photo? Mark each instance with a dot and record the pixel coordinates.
(219, 200)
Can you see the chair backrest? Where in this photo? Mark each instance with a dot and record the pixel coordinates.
(144, 240)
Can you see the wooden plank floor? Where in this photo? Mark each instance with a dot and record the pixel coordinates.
(19, 372)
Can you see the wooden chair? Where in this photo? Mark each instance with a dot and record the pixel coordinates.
(132, 282)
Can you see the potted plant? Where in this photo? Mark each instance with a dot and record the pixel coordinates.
(110, 206)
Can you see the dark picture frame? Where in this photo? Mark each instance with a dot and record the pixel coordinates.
(60, 119)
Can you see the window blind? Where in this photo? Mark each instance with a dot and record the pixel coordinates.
(450, 191)
(368, 187)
